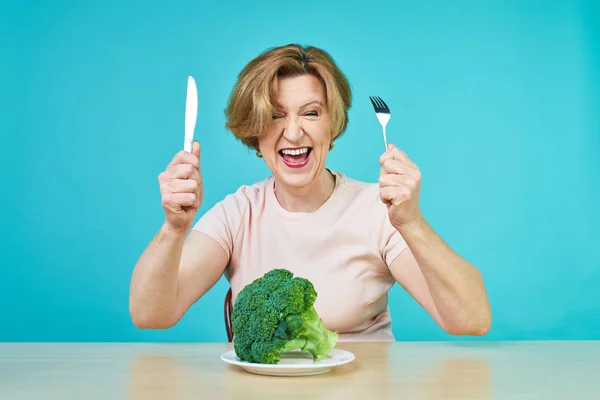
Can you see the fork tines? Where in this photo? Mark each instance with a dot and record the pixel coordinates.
(379, 105)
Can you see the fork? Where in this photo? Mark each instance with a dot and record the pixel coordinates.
(382, 112)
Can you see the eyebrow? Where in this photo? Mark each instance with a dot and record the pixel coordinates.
(311, 102)
(304, 105)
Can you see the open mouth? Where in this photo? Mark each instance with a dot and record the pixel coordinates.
(295, 158)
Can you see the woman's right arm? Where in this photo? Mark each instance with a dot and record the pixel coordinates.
(175, 269)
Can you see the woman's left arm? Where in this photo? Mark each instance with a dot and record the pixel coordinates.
(444, 283)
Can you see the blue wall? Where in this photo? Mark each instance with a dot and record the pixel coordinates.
(497, 102)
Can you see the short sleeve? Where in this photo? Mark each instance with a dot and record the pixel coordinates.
(391, 243)
(222, 222)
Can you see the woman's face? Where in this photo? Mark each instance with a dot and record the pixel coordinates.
(296, 143)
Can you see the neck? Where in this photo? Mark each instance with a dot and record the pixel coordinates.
(306, 199)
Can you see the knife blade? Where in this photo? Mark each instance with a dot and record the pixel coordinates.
(191, 113)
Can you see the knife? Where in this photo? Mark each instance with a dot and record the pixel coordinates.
(191, 112)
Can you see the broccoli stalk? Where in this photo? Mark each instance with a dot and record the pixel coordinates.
(274, 315)
(311, 335)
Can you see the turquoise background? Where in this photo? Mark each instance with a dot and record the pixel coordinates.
(497, 102)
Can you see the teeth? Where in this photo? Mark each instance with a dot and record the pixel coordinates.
(295, 152)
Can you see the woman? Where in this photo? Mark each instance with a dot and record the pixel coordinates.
(352, 239)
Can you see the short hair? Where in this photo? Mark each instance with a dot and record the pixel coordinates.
(252, 100)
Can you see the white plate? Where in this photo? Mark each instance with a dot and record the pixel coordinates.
(294, 363)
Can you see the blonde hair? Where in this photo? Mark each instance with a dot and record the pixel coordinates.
(251, 104)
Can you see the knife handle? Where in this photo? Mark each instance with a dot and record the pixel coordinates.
(187, 145)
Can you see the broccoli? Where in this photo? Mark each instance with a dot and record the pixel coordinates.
(275, 314)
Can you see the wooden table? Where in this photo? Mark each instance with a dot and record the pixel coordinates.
(473, 370)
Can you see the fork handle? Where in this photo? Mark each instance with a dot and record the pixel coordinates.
(384, 137)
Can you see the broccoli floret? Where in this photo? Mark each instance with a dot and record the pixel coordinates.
(275, 314)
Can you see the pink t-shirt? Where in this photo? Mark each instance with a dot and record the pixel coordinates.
(344, 248)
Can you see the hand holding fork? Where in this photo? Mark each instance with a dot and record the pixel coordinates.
(399, 178)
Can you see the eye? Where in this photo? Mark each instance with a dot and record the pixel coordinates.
(275, 116)
(312, 114)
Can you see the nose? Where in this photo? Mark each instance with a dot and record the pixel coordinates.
(293, 130)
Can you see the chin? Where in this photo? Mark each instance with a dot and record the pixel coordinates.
(297, 181)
